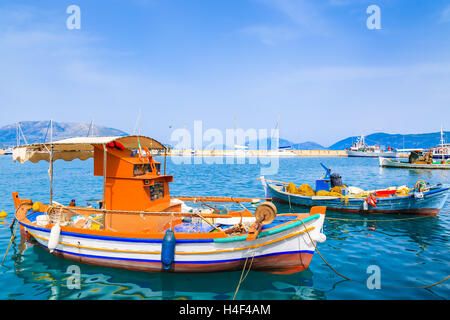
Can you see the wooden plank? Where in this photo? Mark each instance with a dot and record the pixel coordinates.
(217, 199)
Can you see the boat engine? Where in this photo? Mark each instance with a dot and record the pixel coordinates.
(336, 180)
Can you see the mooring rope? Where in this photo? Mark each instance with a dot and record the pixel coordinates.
(241, 279)
(347, 278)
(13, 231)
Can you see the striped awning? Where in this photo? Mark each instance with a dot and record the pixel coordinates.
(79, 148)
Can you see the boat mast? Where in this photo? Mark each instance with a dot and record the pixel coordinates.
(105, 154)
(91, 129)
(234, 131)
(51, 161)
(442, 142)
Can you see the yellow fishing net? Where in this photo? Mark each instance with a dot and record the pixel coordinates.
(402, 192)
(336, 189)
(328, 193)
(306, 190)
(291, 188)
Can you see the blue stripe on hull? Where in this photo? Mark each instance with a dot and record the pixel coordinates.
(181, 262)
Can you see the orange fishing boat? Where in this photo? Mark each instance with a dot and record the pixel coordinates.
(138, 225)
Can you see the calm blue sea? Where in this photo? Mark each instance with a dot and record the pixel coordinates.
(408, 253)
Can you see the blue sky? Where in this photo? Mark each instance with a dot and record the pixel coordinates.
(313, 62)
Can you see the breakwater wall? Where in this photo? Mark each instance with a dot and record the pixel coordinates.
(259, 153)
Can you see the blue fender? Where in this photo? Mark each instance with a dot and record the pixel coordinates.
(168, 249)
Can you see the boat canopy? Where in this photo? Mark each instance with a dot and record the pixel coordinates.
(79, 148)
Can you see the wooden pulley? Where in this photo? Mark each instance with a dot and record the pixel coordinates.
(265, 213)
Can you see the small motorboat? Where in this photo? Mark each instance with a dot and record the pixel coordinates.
(422, 199)
(139, 226)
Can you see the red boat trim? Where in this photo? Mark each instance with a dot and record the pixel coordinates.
(419, 211)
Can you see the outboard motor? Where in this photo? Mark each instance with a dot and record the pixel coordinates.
(336, 180)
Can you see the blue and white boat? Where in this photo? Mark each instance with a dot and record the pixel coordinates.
(424, 200)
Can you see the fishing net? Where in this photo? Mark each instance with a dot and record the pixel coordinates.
(337, 189)
(305, 190)
(322, 193)
(291, 188)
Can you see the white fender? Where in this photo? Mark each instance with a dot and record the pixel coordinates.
(263, 182)
(54, 237)
(320, 237)
(365, 205)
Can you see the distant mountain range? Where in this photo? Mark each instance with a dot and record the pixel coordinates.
(267, 145)
(37, 131)
(398, 141)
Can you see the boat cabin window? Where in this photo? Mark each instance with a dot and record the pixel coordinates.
(157, 191)
(141, 169)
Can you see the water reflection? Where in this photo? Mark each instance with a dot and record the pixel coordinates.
(48, 275)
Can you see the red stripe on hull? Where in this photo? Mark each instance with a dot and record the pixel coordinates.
(279, 264)
(420, 211)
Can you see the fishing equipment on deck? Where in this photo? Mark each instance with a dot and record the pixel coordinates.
(168, 249)
(306, 190)
(291, 188)
(336, 180)
(421, 186)
(36, 206)
(324, 182)
(265, 213)
(323, 193)
(372, 200)
(337, 189)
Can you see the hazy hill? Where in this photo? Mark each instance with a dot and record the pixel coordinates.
(400, 141)
(35, 131)
(267, 145)
(309, 145)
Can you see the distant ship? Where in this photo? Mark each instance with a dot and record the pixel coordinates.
(442, 151)
(361, 149)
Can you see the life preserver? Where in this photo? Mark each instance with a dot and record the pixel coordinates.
(372, 200)
(442, 150)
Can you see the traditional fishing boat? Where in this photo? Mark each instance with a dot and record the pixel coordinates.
(422, 199)
(138, 225)
(443, 165)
